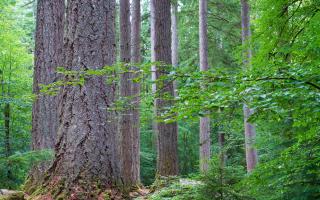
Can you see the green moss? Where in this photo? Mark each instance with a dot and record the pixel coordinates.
(14, 196)
(105, 196)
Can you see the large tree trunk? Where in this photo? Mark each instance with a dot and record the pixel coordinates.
(48, 56)
(250, 132)
(167, 133)
(86, 141)
(203, 52)
(136, 87)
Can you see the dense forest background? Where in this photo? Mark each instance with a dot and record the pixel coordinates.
(279, 82)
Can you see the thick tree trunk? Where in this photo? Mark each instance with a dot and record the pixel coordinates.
(175, 40)
(167, 159)
(136, 87)
(86, 140)
(48, 56)
(205, 141)
(250, 132)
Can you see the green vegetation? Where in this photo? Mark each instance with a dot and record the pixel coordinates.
(282, 87)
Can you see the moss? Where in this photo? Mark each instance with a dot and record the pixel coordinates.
(58, 190)
(161, 182)
(61, 196)
(13, 196)
(105, 196)
(29, 187)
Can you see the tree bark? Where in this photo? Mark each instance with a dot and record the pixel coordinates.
(129, 154)
(205, 141)
(167, 133)
(175, 40)
(48, 56)
(6, 116)
(86, 146)
(136, 87)
(8, 152)
(250, 132)
(222, 156)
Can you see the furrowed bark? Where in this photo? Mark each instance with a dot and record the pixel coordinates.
(205, 142)
(129, 174)
(167, 133)
(86, 148)
(250, 132)
(136, 87)
(48, 56)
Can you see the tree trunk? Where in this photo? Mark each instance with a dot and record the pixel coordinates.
(7, 142)
(128, 154)
(86, 146)
(222, 153)
(6, 116)
(48, 56)
(203, 52)
(175, 40)
(250, 132)
(136, 87)
(167, 159)
(153, 77)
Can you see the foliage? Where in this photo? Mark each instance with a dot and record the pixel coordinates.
(16, 93)
(282, 85)
(292, 175)
(13, 170)
(175, 188)
(220, 182)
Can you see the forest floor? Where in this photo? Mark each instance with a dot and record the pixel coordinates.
(173, 188)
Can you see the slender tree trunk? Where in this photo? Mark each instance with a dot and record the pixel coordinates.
(203, 52)
(175, 39)
(86, 145)
(223, 156)
(167, 159)
(250, 132)
(136, 87)
(153, 74)
(129, 154)
(48, 56)
(6, 115)
(6, 124)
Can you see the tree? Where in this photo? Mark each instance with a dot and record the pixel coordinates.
(175, 39)
(86, 148)
(129, 140)
(203, 52)
(15, 79)
(136, 58)
(167, 136)
(250, 132)
(48, 56)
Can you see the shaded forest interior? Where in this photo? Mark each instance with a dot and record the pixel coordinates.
(160, 99)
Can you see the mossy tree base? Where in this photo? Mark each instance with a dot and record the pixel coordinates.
(58, 190)
(12, 195)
